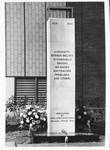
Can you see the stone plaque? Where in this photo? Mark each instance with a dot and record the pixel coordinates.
(61, 76)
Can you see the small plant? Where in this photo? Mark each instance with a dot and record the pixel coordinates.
(11, 106)
(83, 118)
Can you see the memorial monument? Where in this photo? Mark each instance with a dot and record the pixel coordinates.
(61, 84)
(61, 76)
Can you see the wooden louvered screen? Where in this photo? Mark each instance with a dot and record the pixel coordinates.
(25, 87)
(41, 90)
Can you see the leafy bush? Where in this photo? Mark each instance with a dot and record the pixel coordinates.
(84, 118)
(13, 107)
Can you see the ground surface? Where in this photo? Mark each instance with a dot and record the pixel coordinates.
(92, 144)
(22, 139)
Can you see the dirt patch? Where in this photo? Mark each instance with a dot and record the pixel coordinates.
(19, 137)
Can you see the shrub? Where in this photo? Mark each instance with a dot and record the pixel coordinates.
(83, 118)
(11, 106)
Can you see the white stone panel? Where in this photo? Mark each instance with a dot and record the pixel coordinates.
(61, 76)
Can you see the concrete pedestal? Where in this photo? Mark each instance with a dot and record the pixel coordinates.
(79, 137)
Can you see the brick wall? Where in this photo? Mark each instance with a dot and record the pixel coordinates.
(90, 49)
(93, 49)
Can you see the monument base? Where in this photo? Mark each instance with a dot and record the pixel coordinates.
(78, 137)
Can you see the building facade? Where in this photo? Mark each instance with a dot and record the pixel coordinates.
(26, 49)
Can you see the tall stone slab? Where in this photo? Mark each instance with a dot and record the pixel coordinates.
(61, 76)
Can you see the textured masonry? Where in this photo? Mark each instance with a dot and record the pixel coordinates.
(35, 38)
(89, 43)
(14, 39)
(90, 49)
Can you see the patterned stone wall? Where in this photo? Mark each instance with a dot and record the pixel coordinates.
(14, 39)
(35, 39)
(26, 49)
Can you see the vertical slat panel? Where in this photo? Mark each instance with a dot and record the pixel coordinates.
(42, 90)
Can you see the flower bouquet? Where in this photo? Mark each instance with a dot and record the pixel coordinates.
(83, 119)
(35, 117)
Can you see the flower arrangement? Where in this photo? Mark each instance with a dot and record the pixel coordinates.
(33, 116)
(83, 118)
